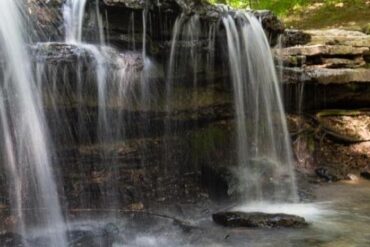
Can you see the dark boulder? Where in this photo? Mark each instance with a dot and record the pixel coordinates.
(365, 174)
(258, 219)
(293, 37)
(271, 24)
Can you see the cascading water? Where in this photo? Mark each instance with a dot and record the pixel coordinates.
(264, 154)
(74, 12)
(113, 74)
(95, 82)
(183, 61)
(26, 145)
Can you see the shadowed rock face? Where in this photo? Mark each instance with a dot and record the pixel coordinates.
(257, 219)
(292, 37)
(59, 53)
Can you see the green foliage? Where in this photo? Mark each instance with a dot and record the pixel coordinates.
(281, 7)
(278, 6)
(234, 3)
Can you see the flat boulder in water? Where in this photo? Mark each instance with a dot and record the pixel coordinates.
(258, 219)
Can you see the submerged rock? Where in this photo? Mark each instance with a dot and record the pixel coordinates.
(258, 219)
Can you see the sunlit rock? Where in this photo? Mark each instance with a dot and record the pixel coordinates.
(348, 126)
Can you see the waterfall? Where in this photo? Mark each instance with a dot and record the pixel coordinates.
(26, 145)
(265, 165)
(182, 63)
(113, 74)
(183, 59)
(79, 99)
(73, 13)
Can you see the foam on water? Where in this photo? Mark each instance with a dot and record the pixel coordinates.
(310, 211)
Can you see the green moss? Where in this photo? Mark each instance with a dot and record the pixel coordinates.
(206, 141)
(366, 28)
(311, 144)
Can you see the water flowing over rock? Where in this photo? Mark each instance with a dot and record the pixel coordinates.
(161, 104)
(27, 147)
(161, 83)
(263, 150)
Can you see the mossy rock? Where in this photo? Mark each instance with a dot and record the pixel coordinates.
(366, 29)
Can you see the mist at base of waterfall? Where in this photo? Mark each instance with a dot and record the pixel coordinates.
(336, 219)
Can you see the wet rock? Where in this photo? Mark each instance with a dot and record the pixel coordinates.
(11, 240)
(327, 174)
(189, 7)
(94, 238)
(132, 4)
(46, 17)
(293, 37)
(216, 180)
(59, 53)
(201, 8)
(271, 24)
(257, 219)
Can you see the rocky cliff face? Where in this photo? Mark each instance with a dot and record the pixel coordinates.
(326, 75)
(185, 154)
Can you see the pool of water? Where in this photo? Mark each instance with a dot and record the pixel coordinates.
(340, 216)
